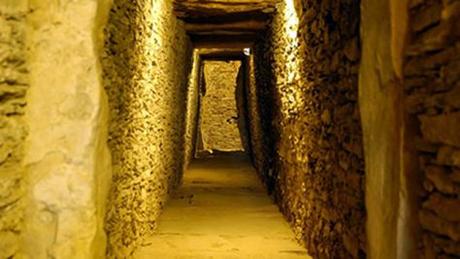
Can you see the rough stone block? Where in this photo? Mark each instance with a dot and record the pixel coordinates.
(439, 176)
(442, 128)
(444, 207)
(447, 246)
(427, 16)
(448, 155)
(436, 224)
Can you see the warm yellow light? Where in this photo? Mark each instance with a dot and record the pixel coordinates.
(292, 20)
(293, 100)
(158, 7)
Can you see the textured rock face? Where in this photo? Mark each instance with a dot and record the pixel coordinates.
(432, 87)
(147, 61)
(13, 86)
(67, 159)
(219, 112)
(318, 165)
(259, 138)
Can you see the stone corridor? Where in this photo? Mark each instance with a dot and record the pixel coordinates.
(117, 116)
(221, 211)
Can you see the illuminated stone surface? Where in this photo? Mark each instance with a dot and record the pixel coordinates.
(219, 113)
(147, 62)
(13, 86)
(318, 169)
(222, 211)
(67, 159)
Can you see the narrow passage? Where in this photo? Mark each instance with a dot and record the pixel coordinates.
(222, 211)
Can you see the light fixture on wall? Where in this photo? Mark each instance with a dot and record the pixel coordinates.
(247, 51)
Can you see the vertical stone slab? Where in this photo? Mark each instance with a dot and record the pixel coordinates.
(191, 112)
(378, 95)
(380, 99)
(67, 161)
(219, 123)
(242, 106)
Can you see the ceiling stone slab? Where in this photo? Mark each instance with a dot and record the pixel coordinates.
(223, 41)
(212, 8)
(252, 25)
(221, 53)
(222, 23)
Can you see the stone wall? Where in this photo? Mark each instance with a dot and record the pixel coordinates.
(66, 154)
(147, 61)
(318, 169)
(258, 136)
(219, 113)
(13, 86)
(265, 94)
(432, 98)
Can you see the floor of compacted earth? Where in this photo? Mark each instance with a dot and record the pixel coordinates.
(221, 211)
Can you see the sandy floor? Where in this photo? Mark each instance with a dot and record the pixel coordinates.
(222, 211)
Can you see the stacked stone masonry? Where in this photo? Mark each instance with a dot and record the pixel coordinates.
(147, 62)
(432, 98)
(318, 169)
(13, 87)
(254, 113)
(264, 107)
(219, 113)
